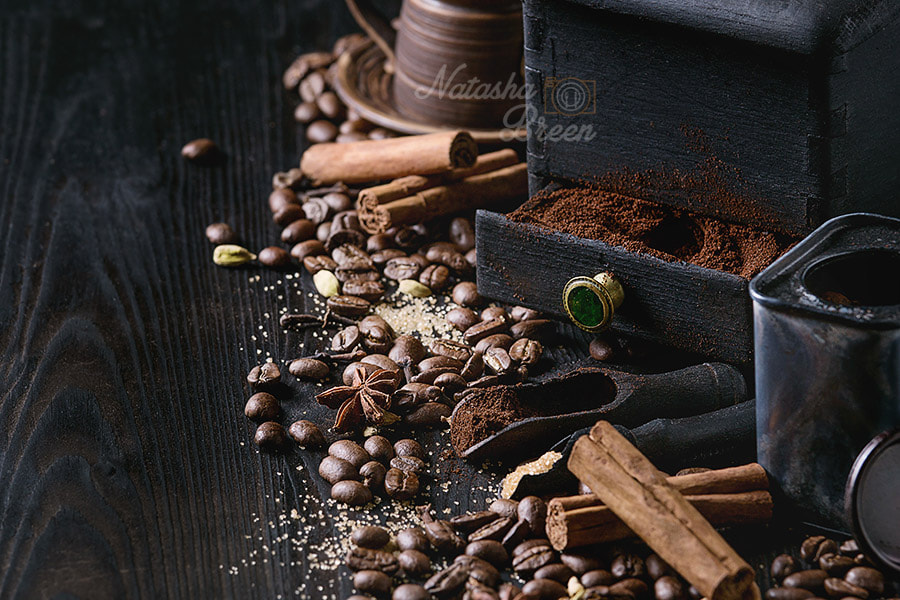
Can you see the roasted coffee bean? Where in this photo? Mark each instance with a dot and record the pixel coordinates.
(401, 268)
(351, 492)
(521, 313)
(508, 591)
(462, 318)
(533, 511)
(381, 257)
(544, 589)
(380, 133)
(349, 451)
(202, 151)
(849, 548)
(465, 293)
(379, 448)
(626, 565)
(221, 233)
(371, 291)
(448, 583)
(836, 587)
(669, 588)
(483, 382)
(382, 362)
(408, 447)
(302, 66)
(407, 348)
(536, 329)
(498, 340)
(306, 112)
(411, 395)
(436, 277)
(495, 312)
(333, 469)
(286, 215)
(358, 272)
(782, 566)
(812, 579)
(519, 549)
(788, 593)
(450, 349)
(446, 254)
(401, 485)
(307, 248)
(348, 254)
(345, 219)
(482, 329)
(601, 349)
(348, 306)
(344, 138)
(374, 322)
(364, 559)
(657, 567)
(490, 550)
(270, 437)
(373, 474)
(474, 367)
(379, 242)
(413, 538)
(292, 178)
(262, 407)
(321, 131)
(309, 368)
(323, 232)
(307, 434)
(556, 571)
(429, 414)
(419, 260)
(340, 204)
(866, 578)
(346, 339)
(462, 234)
(505, 507)
(498, 361)
(516, 534)
(469, 522)
(372, 582)
(370, 536)
(411, 591)
(450, 383)
(339, 237)
(314, 264)
(298, 231)
(431, 374)
(365, 369)
(414, 563)
(355, 125)
(495, 530)
(379, 341)
(813, 548)
(596, 577)
(330, 105)
(836, 565)
(479, 569)
(437, 362)
(526, 351)
(278, 199)
(694, 593)
(409, 237)
(440, 533)
(631, 587)
(410, 464)
(528, 561)
(581, 563)
(264, 376)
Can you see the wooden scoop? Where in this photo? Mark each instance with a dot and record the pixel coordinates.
(582, 397)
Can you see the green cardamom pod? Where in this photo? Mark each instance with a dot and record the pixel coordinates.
(232, 255)
(326, 283)
(414, 288)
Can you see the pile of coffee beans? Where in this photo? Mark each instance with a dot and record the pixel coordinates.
(482, 549)
(358, 474)
(827, 569)
(327, 119)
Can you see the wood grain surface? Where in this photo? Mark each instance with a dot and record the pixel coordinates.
(126, 466)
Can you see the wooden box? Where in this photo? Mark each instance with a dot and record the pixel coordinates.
(785, 112)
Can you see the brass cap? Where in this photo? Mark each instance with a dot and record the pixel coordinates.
(590, 302)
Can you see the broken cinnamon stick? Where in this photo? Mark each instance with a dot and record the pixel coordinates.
(377, 160)
(641, 497)
(412, 184)
(567, 529)
(477, 191)
(731, 480)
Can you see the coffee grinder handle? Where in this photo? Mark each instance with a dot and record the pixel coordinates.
(377, 26)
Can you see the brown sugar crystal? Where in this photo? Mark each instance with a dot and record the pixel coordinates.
(646, 227)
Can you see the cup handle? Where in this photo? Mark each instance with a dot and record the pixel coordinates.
(377, 27)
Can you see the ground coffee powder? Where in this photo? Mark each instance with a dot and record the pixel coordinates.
(485, 413)
(641, 226)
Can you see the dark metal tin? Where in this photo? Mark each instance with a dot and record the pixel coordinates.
(827, 374)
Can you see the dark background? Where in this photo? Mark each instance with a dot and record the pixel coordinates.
(126, 466)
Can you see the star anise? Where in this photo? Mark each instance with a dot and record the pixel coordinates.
(367, 399)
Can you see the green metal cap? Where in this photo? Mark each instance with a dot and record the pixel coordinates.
(590, 302)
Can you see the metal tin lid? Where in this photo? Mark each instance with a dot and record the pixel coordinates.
(872, 499)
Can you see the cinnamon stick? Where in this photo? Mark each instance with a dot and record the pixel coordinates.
(477, 191)
(411, 184)
(641, 497)
(377, 160)
(731, 480)
(567, 529)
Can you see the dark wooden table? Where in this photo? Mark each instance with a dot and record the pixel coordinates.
(126, 466)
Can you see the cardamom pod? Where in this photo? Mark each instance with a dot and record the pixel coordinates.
(327, 283)
(414, 288)
(232, 255)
